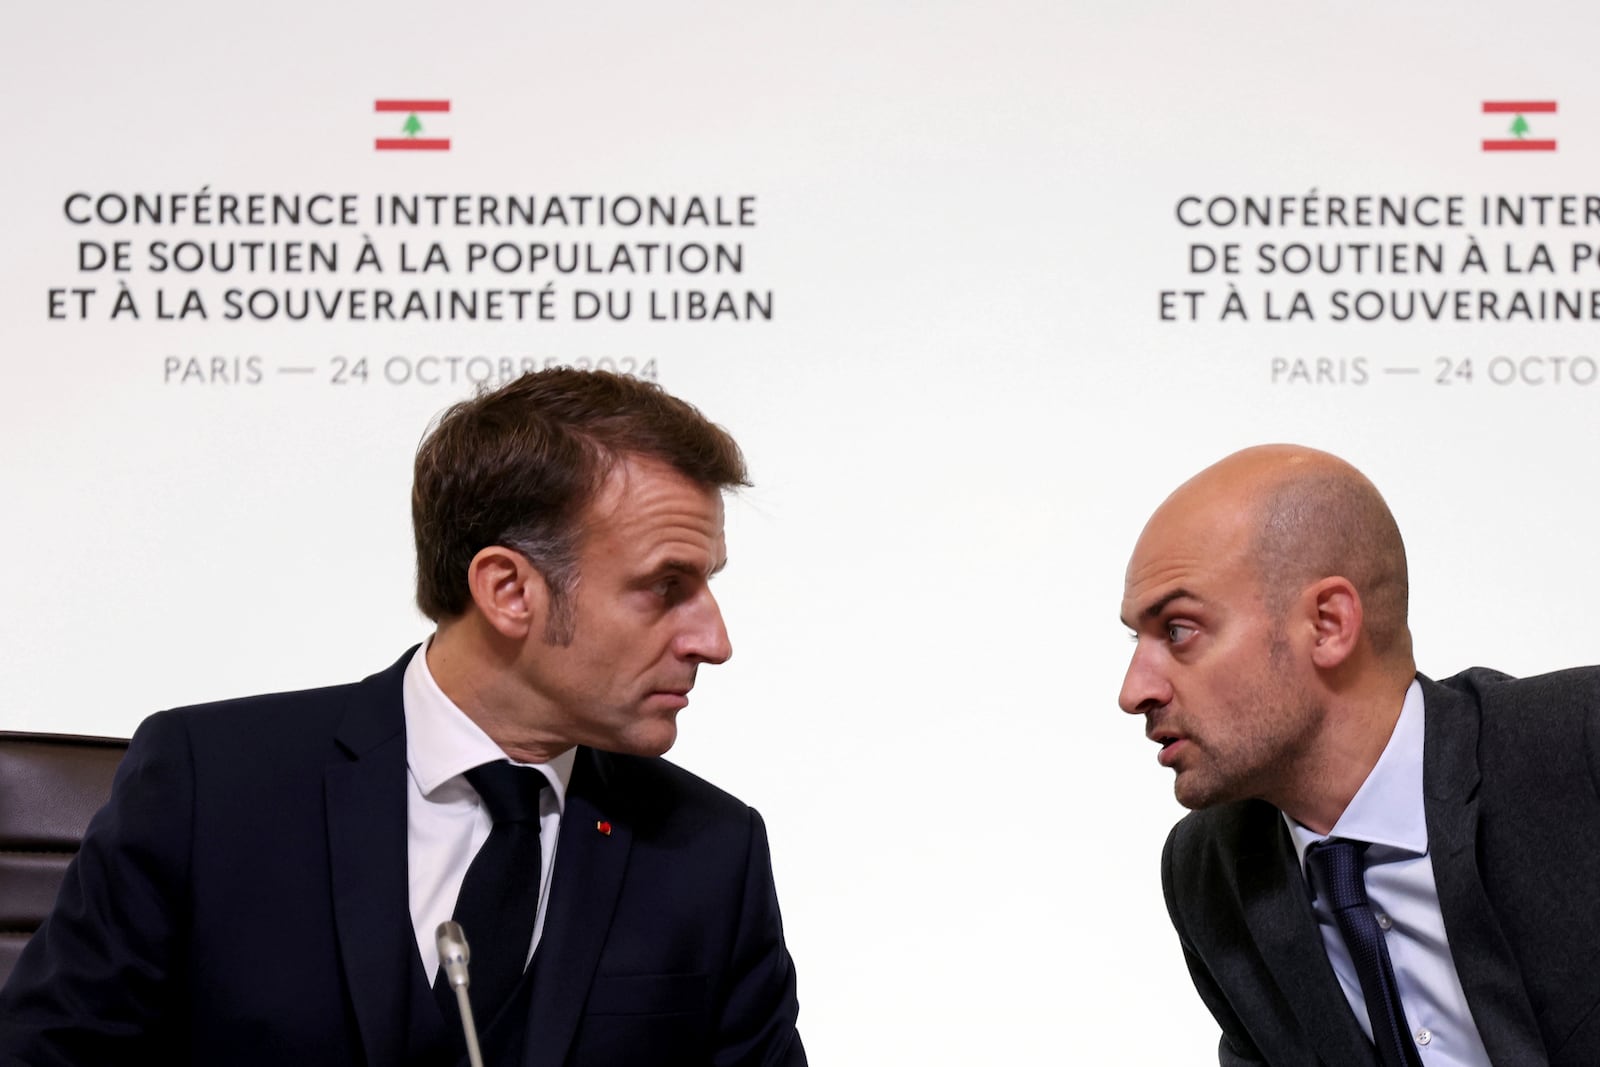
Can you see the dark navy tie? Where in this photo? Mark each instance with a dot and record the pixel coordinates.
(499, 897)
(1338, 864)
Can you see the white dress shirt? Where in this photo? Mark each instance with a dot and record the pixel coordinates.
(446, 822)
(1388, 812)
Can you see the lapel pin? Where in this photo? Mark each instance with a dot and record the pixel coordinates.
(604, 827)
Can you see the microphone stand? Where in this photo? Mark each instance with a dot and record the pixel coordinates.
(454, 954)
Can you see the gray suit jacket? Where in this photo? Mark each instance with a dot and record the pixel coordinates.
(1511, 772)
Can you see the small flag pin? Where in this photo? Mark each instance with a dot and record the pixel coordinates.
(604, 827)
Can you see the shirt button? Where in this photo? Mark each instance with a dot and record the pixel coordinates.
(1384, 922)
(1424, 1036)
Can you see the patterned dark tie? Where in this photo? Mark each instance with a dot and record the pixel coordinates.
(1338, 865)
(499, 896)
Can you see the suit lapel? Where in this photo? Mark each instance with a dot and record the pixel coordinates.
(1281, 921)
(367, 855)
(1489, 973)
(591, 857)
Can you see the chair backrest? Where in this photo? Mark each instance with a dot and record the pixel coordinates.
(50, 786)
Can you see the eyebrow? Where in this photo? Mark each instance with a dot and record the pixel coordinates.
(1156, 608)
(678, 566)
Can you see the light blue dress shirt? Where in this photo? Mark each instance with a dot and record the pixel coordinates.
(1388, 812)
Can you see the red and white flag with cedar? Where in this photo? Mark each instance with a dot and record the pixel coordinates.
(1520, 125)
(412, 125)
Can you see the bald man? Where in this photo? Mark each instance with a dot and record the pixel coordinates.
(1273, 666)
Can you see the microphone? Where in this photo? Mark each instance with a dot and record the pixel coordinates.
(453, 956)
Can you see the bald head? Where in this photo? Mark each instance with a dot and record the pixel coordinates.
(1267, 600)
(1302, 515)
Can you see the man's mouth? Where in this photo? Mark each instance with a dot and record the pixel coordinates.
(1171, 744)
(1162, 735)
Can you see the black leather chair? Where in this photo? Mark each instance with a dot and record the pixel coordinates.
(50, 785)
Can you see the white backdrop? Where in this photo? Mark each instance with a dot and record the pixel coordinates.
(962, 407)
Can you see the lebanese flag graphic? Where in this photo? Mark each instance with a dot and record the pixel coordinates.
(409, 124)
(1512, 117)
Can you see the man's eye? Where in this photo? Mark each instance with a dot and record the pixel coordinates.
(1178, 633)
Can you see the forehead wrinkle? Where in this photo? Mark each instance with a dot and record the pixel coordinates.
(642, 490)
(1160, 600)
(1186, 554)
(1149, 578)
(1154, 609)
(1160, 605)
(1153, 567)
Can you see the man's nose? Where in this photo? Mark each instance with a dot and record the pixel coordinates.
(705, 639)
(1143, 687)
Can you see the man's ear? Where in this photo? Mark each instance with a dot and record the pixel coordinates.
(508, 591)
(1336, 614)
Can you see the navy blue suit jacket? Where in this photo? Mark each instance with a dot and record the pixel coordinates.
(242, 899)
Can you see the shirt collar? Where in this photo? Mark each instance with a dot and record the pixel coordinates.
(1388, 809)
(442, 743)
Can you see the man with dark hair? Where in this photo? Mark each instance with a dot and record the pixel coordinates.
(266, 882)
(1380, 869)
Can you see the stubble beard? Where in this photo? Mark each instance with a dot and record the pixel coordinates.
(1261, 754)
